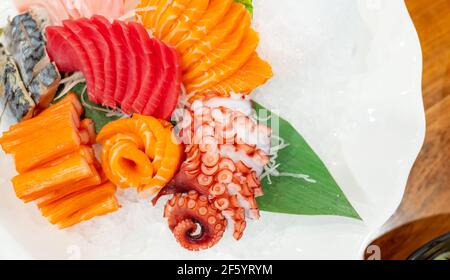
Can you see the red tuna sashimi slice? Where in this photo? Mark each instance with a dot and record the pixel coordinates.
(102, 26)
(153, 73)
(134, 55)
(123, 64)
(142, 45)
(92, 53)
(157, 77)
(57, 38)
(61, 50)
(94, 36)
(157, 95)
(170, 100)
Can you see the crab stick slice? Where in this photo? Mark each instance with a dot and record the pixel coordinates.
(102, 207)
(66, 207)
(50, 146)
(67, 190)
(39, 182)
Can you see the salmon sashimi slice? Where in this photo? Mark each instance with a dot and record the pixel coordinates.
(173, 89)
(135, 159)
(62, 209)
(169, 166)
(135, 67)
(169, 16)
(146, 11)
(139, 131)
(194, 11)
(124, 61)
(227, 68)
(219, 53)
(92, 55)
(253, 74)
(102, 207)
(103, 25)
(130, 163)
(156, 153)
(237, 17)
(39, 182)
(216, 11)
(162, 6)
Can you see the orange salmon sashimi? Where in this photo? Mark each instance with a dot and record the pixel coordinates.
(194, 11)
(169, 166)
(216, 11)
(156, 153)
(215, 41)
(253, 74)
(139, 153)
(227, 68)
(169, 17)
(218, 54)
(237, 18)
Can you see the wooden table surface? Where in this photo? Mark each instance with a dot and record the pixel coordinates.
(425, 211)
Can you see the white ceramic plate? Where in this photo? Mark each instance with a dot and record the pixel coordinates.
(348, 76)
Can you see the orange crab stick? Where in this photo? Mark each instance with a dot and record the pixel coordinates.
(85, 184)
(49, 146)
(101, 207)
(11, 140)
(89, 126)
(62, 209)
(39, 182)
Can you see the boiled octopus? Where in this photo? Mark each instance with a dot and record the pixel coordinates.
(219, 180)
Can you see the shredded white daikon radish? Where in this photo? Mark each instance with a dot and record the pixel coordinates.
(271, 169)
(109, 112)
(69, 83)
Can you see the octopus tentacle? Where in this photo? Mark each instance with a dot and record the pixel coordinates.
(226, 151)
(194, 221)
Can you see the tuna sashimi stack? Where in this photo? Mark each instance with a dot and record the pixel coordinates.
(123, 66)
